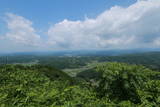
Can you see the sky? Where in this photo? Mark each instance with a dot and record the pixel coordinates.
(49, 25)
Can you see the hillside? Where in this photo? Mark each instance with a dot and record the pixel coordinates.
(118, 84)
(149, 59)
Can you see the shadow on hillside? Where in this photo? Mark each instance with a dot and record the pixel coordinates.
(88, 74)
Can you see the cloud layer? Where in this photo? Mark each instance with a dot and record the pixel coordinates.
(136, 26)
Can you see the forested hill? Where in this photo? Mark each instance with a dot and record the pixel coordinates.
(50, 72)
(149, 59)
(118, 85)
(32, 81)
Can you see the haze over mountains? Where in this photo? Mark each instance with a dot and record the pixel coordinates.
(81, 52)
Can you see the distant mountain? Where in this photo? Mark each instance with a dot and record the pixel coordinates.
(148, 59)
(77, 59)
(71, 53)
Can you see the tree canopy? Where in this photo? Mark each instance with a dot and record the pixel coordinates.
(118, 84)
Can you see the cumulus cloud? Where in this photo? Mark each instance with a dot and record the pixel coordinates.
(21, 30)
(137, 26)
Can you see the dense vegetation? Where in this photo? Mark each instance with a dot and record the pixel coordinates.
(56, 61)
(118, 85)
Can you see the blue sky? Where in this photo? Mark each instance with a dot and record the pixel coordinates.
(29, 25)
(44, 12)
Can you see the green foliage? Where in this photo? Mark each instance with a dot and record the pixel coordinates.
(118, 85)
(20, 87)
(123, 82)
(148, 59)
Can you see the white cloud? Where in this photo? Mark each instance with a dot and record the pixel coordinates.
(21, 30)
(133, 27)
(136, 26)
